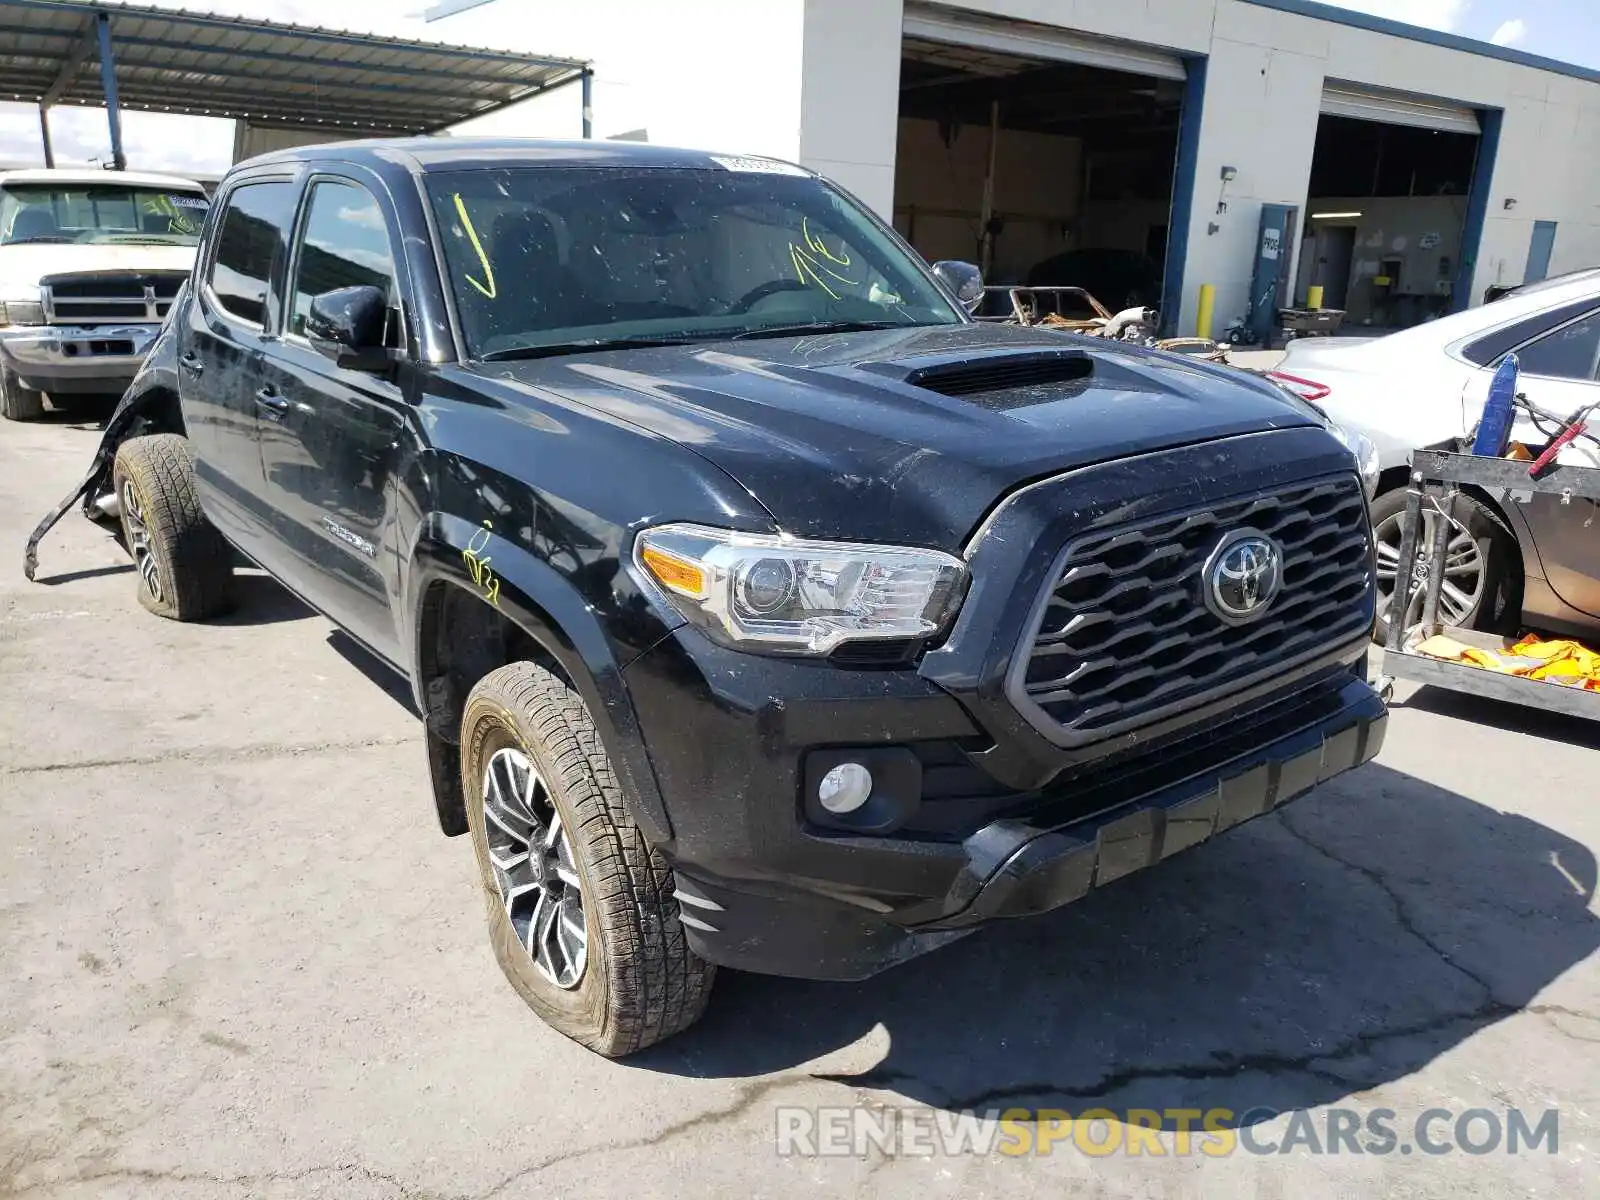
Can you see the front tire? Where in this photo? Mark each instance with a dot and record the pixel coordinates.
(18, 403)
(1481, 566)
(581, 910)
(185, 566)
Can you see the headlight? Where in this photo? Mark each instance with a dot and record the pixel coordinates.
(21, 312)
(1365, 454)
(785, 595)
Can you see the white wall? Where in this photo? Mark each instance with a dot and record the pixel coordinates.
(817, 80)
(1265, 124)
(706, 74)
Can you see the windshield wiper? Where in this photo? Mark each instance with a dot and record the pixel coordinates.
(585, 345)
(776, 331)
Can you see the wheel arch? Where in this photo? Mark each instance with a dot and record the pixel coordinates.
(479, 602)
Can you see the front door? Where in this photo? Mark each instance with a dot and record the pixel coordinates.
(329, 435)
(220, 349)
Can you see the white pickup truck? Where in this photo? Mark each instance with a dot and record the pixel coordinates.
(90, 261)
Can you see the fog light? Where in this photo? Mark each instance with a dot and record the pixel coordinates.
(845, 788)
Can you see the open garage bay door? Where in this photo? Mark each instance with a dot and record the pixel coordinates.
(1393, 108)
(1047, 156)
(1039, 42)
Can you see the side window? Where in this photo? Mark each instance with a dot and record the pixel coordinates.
(344, 243)
(253, 231)
(1571, 352)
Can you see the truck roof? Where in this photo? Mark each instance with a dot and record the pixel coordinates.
(451, 153)
(87, 176)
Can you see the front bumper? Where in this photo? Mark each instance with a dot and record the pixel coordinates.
(763, 888)
(76, 359)
(974, 813)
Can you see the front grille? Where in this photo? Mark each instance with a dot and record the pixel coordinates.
(1125, 636)
(110, 296)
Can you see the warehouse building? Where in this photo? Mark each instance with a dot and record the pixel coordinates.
(1143, 149)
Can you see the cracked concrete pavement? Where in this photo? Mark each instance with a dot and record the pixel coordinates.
(237, 959)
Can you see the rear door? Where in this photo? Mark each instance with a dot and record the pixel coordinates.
(330, 436)
(221, 345)
(1560, 372)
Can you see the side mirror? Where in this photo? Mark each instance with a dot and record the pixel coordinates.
(962, 278)
(347, 325)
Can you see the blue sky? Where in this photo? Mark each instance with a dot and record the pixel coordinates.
(1568, 30)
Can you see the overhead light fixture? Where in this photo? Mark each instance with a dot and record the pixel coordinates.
(1334, 216)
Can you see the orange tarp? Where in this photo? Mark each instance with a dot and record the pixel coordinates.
(1565, 662)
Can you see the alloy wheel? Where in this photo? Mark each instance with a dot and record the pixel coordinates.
(139, 540)
(1462, 591)
(534, 867)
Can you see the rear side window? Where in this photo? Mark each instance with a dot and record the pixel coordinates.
(1571, 352)
(252, 234)
(1495, 345)
(345, 243)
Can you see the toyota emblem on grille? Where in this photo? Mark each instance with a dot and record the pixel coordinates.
(1243, 576)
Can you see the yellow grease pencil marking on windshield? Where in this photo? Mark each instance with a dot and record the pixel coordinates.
(806, 272)
(816, 244)
(489, 289)
(811, 262)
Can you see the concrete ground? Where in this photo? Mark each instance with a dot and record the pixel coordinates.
(237, 959)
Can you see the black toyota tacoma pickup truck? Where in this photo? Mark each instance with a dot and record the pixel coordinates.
(764, 610)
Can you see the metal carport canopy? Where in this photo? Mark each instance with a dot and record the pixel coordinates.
(86, 52)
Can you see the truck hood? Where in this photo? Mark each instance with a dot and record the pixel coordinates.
(909, 435)
(22, 266)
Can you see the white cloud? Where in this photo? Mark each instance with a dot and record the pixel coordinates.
(1511, 33)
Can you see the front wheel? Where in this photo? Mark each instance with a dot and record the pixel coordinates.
(18, 403)
(581, 909)
(1479, 590)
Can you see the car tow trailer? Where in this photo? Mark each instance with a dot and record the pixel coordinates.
(1437, 478)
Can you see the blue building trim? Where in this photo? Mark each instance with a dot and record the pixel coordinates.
(1432, 37)
(1183, 181)
(1477, 206)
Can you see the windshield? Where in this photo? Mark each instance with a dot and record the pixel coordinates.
(584, 257)
(100, 214)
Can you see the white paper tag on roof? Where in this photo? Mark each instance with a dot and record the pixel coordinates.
(762, 166)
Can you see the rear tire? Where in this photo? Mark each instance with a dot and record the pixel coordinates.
(1483, 567)
(185, 566)
(567, 871)
(18, 403)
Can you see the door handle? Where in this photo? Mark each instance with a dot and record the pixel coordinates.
(190, 361)
(270, 398)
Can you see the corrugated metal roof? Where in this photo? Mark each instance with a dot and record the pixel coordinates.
(268, 73)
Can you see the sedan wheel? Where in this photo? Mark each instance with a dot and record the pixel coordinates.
(1481, 588)
(1461, 594)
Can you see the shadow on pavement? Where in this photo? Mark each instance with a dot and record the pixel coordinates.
(375, 669)
(262, 600)
(1534, 722)
(1340, 943)
(79, 576)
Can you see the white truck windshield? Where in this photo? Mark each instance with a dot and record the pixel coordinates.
(100, 214)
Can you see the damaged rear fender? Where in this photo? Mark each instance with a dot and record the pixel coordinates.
(150, 405)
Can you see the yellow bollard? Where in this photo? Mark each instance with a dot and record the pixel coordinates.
(1208, 308)
(1314, 298)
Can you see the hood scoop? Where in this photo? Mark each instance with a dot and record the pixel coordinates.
(1003, 373)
